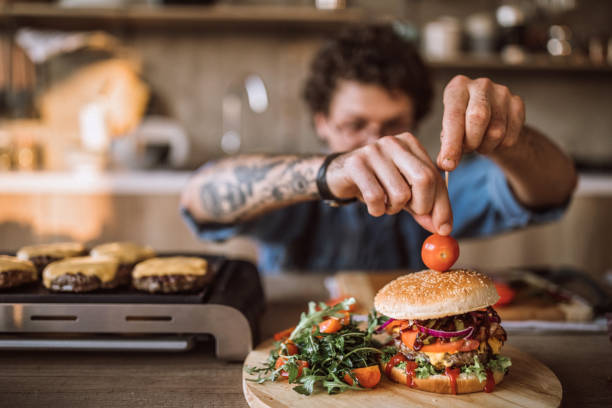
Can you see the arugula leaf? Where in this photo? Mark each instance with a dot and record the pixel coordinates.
(387, 353)
(315, 316)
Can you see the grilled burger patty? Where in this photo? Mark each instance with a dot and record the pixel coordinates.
(79, 282)
(169, 283)
(15, 277)
(458, 359)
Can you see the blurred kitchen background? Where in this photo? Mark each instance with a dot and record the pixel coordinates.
(107, 105)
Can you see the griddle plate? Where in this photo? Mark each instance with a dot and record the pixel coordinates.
(37, 293)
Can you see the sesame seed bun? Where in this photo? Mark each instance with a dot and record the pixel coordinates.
(430, 294)
(441, 383)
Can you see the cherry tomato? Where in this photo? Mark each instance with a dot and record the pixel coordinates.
(334, 302)
(282, 335)
(440, 252)
(505, 292)
(280, 361)
(368, 377)
(330, 325)
(291, 348)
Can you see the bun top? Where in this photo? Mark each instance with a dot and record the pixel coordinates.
(430, 294)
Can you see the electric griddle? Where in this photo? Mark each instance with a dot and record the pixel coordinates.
(227, 311)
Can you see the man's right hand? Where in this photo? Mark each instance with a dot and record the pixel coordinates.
(392, 174)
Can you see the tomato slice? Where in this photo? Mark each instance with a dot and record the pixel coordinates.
(469, 345)
(408, 338)
(403, 324)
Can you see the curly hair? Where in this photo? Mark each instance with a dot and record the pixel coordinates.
(374, 55)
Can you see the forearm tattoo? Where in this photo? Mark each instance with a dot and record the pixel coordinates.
(238, 190)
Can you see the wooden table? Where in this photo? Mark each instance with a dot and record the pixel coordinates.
(582, 362)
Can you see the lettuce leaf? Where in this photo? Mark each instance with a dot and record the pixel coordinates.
(424, 369)
(477, 369)
(500, 363)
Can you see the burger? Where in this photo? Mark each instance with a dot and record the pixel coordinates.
(446, 337)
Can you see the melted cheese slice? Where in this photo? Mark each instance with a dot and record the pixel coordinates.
(57, 250)
(11, 263)
(176, 265)
(124, 252)
(105, 268)
(438, 358)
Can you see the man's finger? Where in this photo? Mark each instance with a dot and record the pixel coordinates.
(456, 98)
(478, 113)
(397, 189)
(420, 175)
(496, 132)
(516, 120)
(424, 221)
(440, 221)
(411, 143)
(372, 193)
(442, 214)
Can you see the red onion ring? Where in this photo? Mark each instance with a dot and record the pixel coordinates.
(466, 333)
(385, 324)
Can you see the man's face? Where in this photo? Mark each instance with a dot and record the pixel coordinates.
(361, 113)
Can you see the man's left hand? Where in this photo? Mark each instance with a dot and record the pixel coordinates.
(479, 115)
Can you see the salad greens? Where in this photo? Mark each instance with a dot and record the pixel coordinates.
(330, 356)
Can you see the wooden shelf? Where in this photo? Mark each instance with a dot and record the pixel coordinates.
(293, 16)
(266, 17)
(533, 63)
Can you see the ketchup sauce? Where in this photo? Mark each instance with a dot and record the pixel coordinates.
(452, 374)
(395, 360)
(490, 385)
(410, 367)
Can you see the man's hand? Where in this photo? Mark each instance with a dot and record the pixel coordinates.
(479, 115)
(392, 174)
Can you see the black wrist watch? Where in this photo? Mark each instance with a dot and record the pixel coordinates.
(324, 191)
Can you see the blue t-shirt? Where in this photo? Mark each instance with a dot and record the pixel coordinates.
(317, 237)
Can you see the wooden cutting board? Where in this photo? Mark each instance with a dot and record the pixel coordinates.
(528, 384)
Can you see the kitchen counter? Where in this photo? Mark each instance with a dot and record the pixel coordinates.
(169, 182)
(582, 362)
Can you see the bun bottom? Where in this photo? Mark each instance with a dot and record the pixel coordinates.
(441, 383)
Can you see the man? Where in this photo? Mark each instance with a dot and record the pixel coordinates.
(367, 90)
